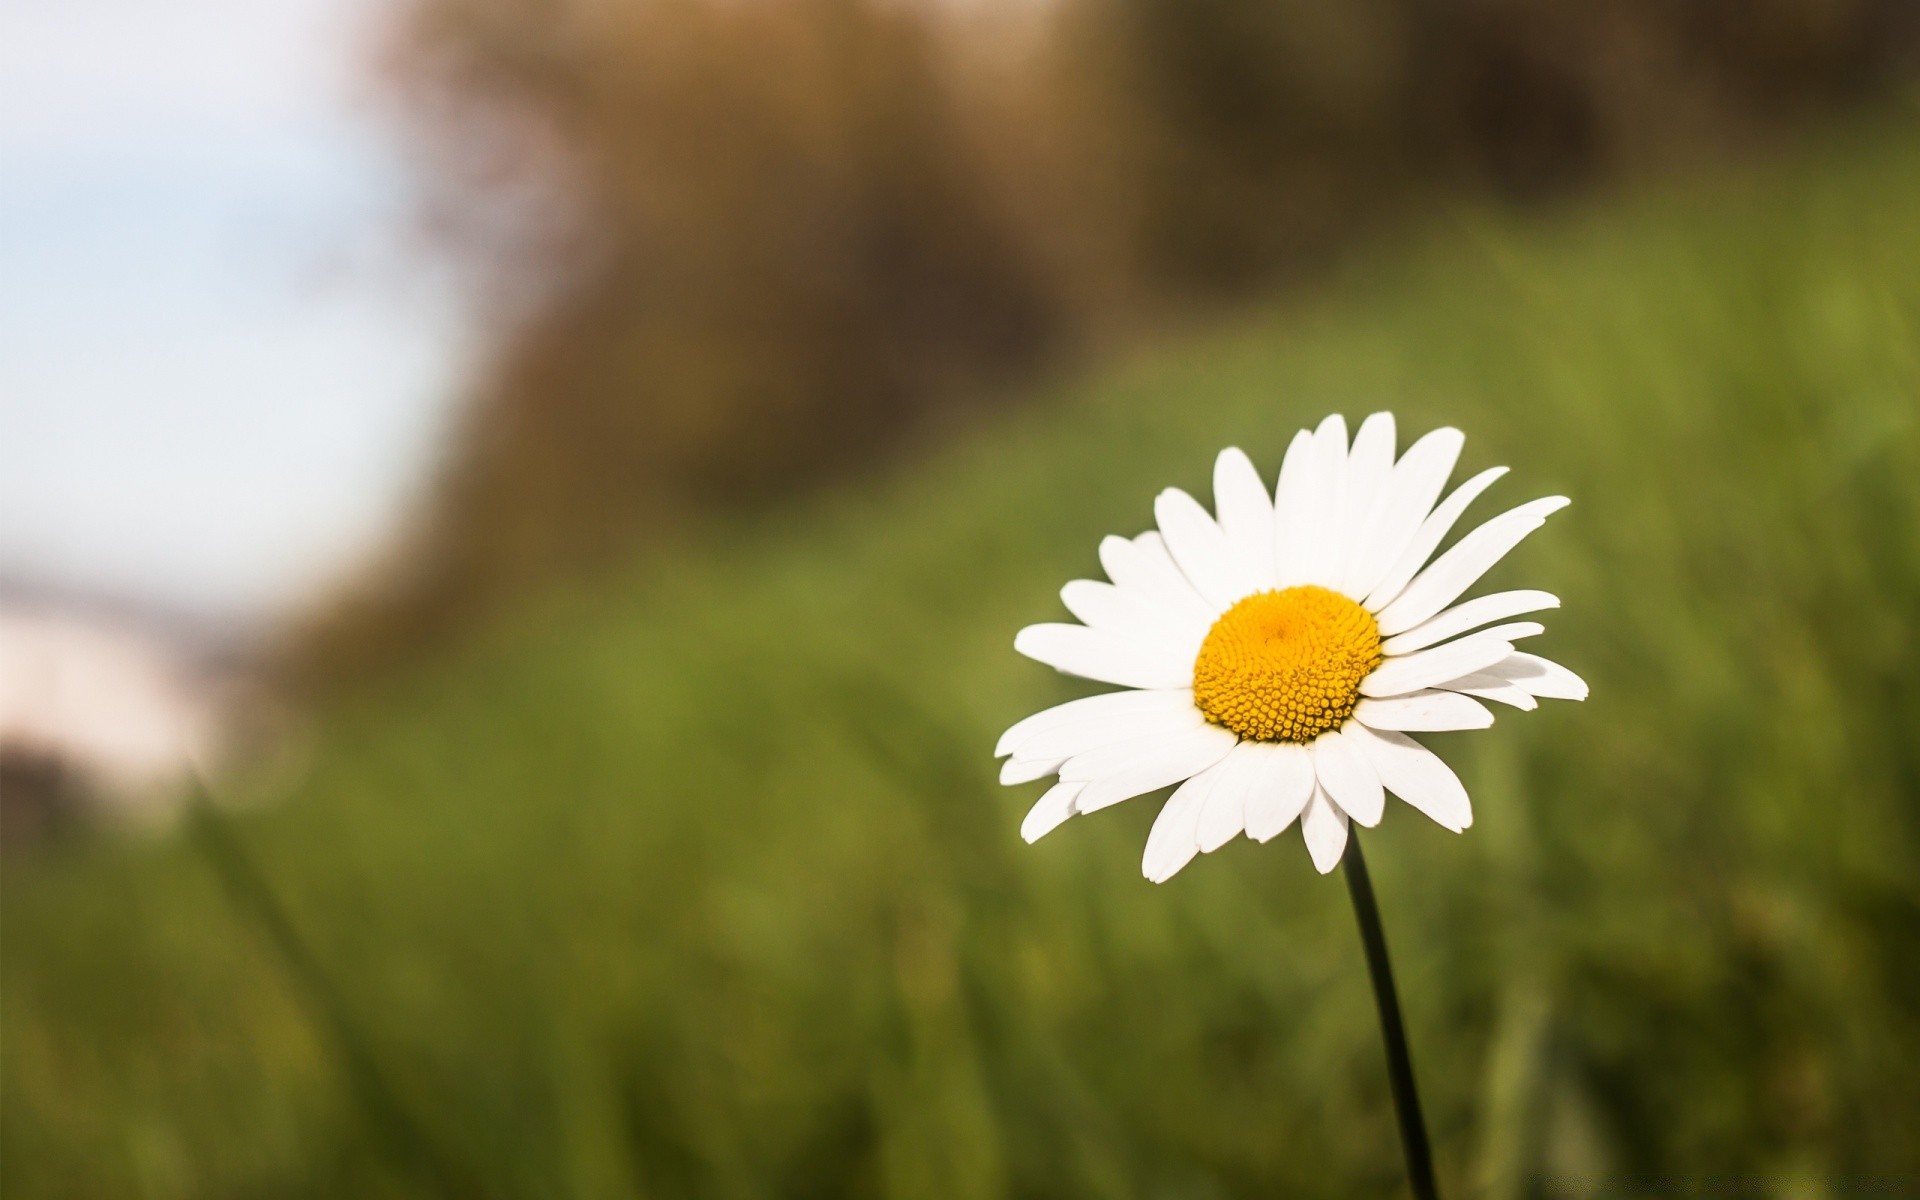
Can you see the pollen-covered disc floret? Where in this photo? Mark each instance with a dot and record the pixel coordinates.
(1286, 665)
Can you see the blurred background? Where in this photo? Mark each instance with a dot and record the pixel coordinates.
(568, 475)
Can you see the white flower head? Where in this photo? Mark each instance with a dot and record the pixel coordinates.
(1278, 653)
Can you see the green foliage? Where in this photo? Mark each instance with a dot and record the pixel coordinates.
(700, 884)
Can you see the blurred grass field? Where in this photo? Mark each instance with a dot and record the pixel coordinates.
(697, 881)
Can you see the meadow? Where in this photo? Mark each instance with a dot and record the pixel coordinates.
(696, 881)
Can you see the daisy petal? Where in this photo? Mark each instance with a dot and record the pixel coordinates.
(1511, 631)
(1427, 538)
(1424, 711)
(1426, 668)
(1142, 568)
(1097, 654)
(1418, 776)
(1078, 737)
(1460, 567)
(1153, 550)
(1540, 677)
(1369, 469)
(1116, 777)
(1346, 776)
(1324, 828)
(1410, 494)
(1127, 614)
(1053, 808)
(1246, 516)
(1325, 538)
(1018, 770)
(1115, 758)
(1471, 615)
(1225, 814)
(1492, 687)
(1106, 704)
(1281, 790)
(1293, 510)
(1174, 841)
(1199, 548)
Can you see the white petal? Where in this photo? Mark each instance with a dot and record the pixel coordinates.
(1153, 548)
(1200, 548)
(1411, 490)
(1460, 567)
(1540, 677)
(1097, 654)
(1513, 631)
(1142, 568)
(1078, 737)
(1201, 741)
(1327, 527)
(1436, 665)
(1053, 808)
(1428, 537)
(1106, 704)
(1369, 470)
(1425, 711)
(1246, 516)
(1293, 509)
(1471, 615)
(1492, 687)
(1281, 790)
(1510, 631)
(1174, 841)
(1324, 827)
(1017, 770)
(1418, 776)
(1225, 814)
(1130, 614)
(1116, 778)
(1347, 776)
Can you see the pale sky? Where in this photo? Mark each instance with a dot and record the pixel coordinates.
(221, 366)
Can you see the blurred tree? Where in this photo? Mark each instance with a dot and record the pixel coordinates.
(729, 248)
(737, 247)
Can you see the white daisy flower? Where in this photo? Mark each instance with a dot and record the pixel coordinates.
(1278, 653)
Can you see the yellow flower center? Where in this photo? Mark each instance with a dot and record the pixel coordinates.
(1286, 666)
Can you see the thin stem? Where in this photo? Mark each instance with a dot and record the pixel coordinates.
(1406, 1098)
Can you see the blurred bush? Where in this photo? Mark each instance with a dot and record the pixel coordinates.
(726, 249)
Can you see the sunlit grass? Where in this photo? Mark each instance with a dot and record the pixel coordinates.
(698, 882)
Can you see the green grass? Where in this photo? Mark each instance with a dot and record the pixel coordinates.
(698, 882)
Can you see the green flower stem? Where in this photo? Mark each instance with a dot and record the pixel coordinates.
(1406, 1097)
